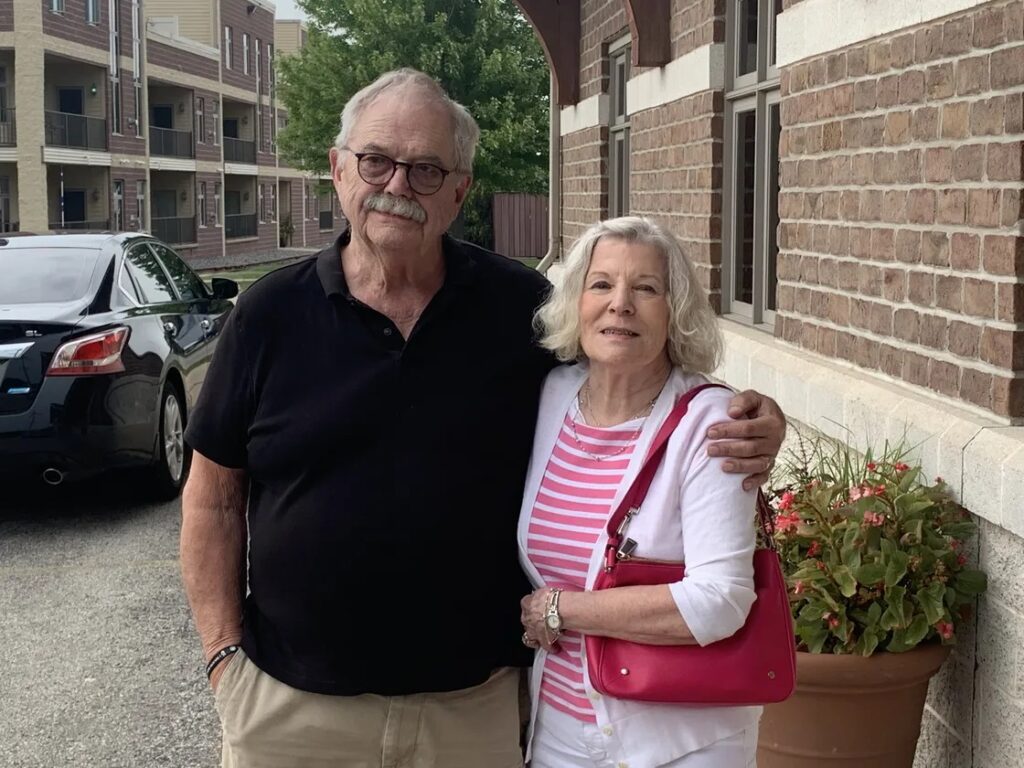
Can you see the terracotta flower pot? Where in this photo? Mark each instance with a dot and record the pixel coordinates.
(850, 711)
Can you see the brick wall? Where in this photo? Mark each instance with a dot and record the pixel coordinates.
(601, 22)
(209, 238)
(678, 181)
(259, 24)
(696, 23)
(207, 150)
(6, 15)
(584, 181)
(131, 206)
(263, 154)
(181, 61)
(71, 25)
(900, 175)
(127, 142)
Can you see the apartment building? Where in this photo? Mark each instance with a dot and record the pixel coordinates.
(152, 115)
(847, 175)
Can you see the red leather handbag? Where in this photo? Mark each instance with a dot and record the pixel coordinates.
(757, 665)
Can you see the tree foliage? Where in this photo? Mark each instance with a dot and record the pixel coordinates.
(484, 54)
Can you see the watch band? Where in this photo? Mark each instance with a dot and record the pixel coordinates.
(551, 611)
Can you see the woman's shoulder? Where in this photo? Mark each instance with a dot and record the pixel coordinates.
(711, 404)
(564, 376)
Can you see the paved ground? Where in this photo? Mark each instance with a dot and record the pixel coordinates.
(99, 665)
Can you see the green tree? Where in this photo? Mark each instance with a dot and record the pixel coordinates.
(484, 54)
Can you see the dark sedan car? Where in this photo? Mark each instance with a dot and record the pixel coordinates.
(104, 343)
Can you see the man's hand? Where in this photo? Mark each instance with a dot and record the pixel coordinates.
(752, 440)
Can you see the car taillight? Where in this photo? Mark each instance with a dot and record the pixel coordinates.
(98, 353)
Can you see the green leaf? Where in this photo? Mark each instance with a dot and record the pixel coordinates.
(910, 637)
(844, 578)
(896, 568)
(866, 644)
(874, 613)
(931, 600)
(870, 574)
(970, 582)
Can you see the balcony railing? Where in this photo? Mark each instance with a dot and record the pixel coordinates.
(326, 219)
(8, 226)
(240, 225)
(94, 224)
(66, 130)
(8, 136)
(239, 151)
(168, 143)
(175, 231)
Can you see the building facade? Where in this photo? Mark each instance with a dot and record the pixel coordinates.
(847, 175)
(155, 116)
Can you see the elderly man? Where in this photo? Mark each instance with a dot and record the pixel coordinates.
(363, 436)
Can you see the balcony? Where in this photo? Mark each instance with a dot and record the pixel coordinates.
(95, 224)
(168, 143)
(8, 226)
(76, 131)
(326, 220)
(239, 151)
(239, 225)
(8, 136)
(175, 231)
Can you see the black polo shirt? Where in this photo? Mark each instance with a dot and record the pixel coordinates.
(386, 474)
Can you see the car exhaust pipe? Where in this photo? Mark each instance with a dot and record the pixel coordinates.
(53, 476)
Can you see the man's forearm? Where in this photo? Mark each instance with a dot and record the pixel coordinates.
(213, 544)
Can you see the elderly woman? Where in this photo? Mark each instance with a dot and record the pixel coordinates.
(631, 313)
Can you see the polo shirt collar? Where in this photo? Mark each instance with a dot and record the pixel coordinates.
(458, 263)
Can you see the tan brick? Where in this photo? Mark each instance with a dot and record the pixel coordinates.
(921, 206)
(938, 164)
(944, 377)
(871, 205)
(847, 276)
(940, 81)
(891, 361)
(850, 205)
(845, 345)
(972, 75)
(997, 347)
(879, 57)
(924, 123)
(857, 62)
(932, 331)
(817, 73)
(964, 338)
(921, 288)
(885, 167)
(955, 120)
(976, 387)
(964, 251)
(979, 298)
(1007, 68)
(894, 285)
(908, 246)
(866, 352)
(825, 343)
(1013, 208)
(887, 93)
(989, 30)
(911, 87)
(1014, 22)
(864, 95)
(894, 206)
(860, 243)
(915, 368)
(988, 117)
(832, 136)
(905, 325)
(956, 36)
(1013, 115)
(838, 310)
(983, 207)
(835, 66)
(902, 50)
(1007, 396)
(952, 206)
(862, 169)
(880, 320)
(949, 292)
(1004, 161)
(838, 240)
(1003, 255)
(969, 162)
(870, 280)
(928, 44)
(883, 244)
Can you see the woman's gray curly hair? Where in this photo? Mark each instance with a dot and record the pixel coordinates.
(464, 126)
(694, 341)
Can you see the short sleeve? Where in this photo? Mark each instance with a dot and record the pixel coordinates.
(219, 425)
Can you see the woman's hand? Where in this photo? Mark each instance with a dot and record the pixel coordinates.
(536, 633)
(752, 440)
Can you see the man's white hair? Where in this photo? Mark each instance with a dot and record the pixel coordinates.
(694, 341)
(467, 132)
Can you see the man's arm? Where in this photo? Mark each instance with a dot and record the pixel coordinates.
(213, 543)
(752, 439)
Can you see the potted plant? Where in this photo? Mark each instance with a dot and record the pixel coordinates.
(875, 564)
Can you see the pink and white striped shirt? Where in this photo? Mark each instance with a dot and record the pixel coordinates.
(572, 508)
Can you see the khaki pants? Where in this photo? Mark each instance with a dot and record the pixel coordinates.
(268, 724)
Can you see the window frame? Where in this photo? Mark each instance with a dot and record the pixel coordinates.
(201, 204)
(619, 53)
(245, 53)
(228, 47)
(200, 110)
(92, 12)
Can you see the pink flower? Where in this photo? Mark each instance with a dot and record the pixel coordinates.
(961, 559)
(875, 519)
(787, 500)
(871, 466)
(901, 467)
(798, 588)
(938, 479)
(786, 523)
(880, 489)
(814, 549)
(955, 544)
(945, 629)
(833, 622)
(820, 565)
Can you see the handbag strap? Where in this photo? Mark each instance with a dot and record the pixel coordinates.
(637, 491)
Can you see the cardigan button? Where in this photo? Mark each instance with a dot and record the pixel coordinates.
(607, 730)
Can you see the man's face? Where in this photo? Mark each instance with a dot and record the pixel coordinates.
(407, 126)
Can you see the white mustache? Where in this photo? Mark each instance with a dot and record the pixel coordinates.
(398, 206)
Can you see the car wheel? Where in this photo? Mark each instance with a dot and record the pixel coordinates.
(174, 457)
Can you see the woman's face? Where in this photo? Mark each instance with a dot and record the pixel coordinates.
(624, 307)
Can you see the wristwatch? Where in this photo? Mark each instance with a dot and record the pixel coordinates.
(552, 618)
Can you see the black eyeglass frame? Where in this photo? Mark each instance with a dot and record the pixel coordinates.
(395, 164)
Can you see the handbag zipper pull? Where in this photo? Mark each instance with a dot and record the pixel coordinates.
(626, 550)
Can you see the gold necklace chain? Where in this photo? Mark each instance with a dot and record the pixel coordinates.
(584, 398)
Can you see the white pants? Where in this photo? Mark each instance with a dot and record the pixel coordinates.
(562, 741)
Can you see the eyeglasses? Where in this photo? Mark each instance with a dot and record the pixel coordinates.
(377, 169)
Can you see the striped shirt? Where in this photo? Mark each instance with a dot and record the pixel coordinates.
(571, 511)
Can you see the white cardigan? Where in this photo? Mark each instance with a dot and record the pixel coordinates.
(694, 512)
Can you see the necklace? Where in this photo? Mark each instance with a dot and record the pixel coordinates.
(584, 399)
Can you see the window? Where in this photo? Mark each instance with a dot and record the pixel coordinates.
(272, 76)
(5, 203)
(115, 35)
(262, 207)
(126, 283)
(138, 109)
(273, 131)
(201, 203)
(115, 104)
(618, 130)
(140, 201)
(153, 283)
(189, 286)
(259, 72)
(752, 130)
(119, 205)
(272, 189)
(227, 48)
(215, 116)
(92, 11)
(200, 120)
(57, 6)
(245, 53)
(216, 217)
(136, 41)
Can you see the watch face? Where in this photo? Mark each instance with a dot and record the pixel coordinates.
(554, 622)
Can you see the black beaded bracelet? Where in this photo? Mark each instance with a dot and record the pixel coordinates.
(219, 656)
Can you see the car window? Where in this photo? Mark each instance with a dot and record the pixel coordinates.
(188, 283)
(127, 285)
(149, 276)
(45, 275)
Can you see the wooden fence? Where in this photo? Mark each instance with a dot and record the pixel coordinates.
(520, 225)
